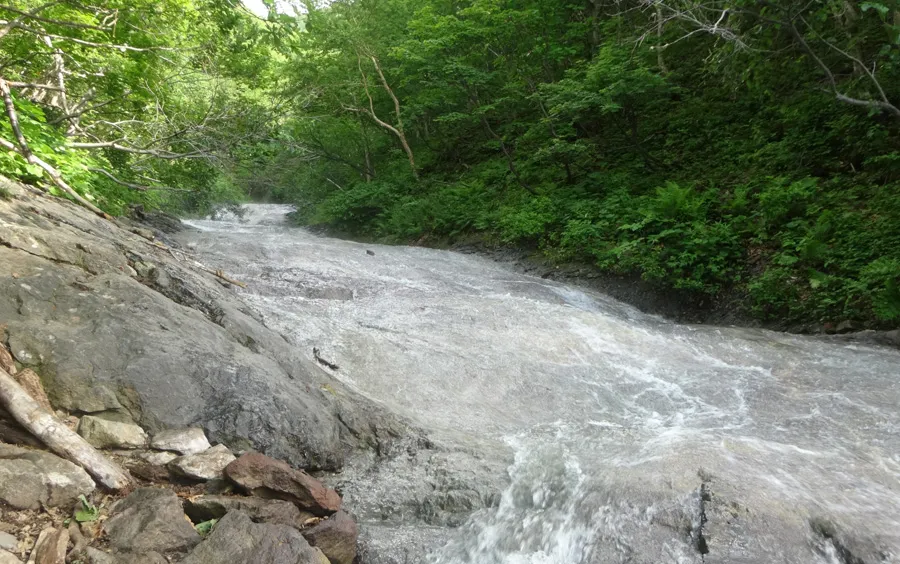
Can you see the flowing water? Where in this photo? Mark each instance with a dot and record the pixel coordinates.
(572, 429)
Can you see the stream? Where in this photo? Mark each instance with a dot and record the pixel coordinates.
(565, 427)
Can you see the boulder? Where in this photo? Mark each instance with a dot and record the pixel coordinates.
(50, 547)
(205, 466)
(103, 433)
(7, 558)
(322, 559)
(30, 479)
(268, 478)
(150, 520)
(6, 361)
(272, 511)
(236, 539)
(336, 537)
(182, 441)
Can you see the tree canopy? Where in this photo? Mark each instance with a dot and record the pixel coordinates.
(745, 150)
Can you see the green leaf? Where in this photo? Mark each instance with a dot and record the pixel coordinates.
(205, 527)
(88, 511)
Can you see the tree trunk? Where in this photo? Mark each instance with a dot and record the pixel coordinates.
(61, 440)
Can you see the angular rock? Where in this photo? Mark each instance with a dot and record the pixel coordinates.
(102, 433)
(149, 472)
(336, 537)
(182, 441)
(272, 479)
(8, 542)
(272, 511)
(50, 547)
(205, 466)
(31, 383)
(32, 478)
(150, 520)
(92, 555)
(7, 558)
(236, 539)
(158, 458)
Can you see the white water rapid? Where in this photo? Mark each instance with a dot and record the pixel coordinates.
(569, 428)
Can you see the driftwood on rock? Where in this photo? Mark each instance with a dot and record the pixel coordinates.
(53, 433)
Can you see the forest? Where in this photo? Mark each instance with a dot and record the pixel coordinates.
(711, 148)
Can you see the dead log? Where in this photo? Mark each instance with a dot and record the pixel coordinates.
(53, 433)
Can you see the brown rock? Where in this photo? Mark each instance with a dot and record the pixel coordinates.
(50, 547)
(150, 520)
(269, 478)
(31, 383)
(336, 537)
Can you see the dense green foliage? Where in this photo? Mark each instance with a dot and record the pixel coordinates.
(135, 101)
(708, 156)
(746, 148)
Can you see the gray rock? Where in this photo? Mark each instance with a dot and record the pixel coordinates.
(207, 465)
(185, 354)
(92, 555)
(150, 520)
(336, 537)
(158, 458)
(272, 511)
(182, 441)
(103, 433)
(7, 558)
(8, 542)
(31, 478)
(236, 539)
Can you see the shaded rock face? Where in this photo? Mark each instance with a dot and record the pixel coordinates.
(265, 477)
(30, 479)
(272, 511)
(7, 558)
(237, 539)
(172, 349)
(335, 537)
(150, 520)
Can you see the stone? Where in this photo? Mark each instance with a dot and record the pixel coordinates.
(322, 559)
(273, 511)
(30, 479)
(205, 466)
(148, 472)
(158, 458)
(150, 520)
(102, 433)
(182, 441)
(50, 547)
(93, 555)
(7, 558)
(336, 537)
(31, 383)
(236, 539)
(268, 478)
(8, 542)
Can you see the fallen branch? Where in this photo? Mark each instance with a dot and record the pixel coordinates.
(61, 440)
(220, 274)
